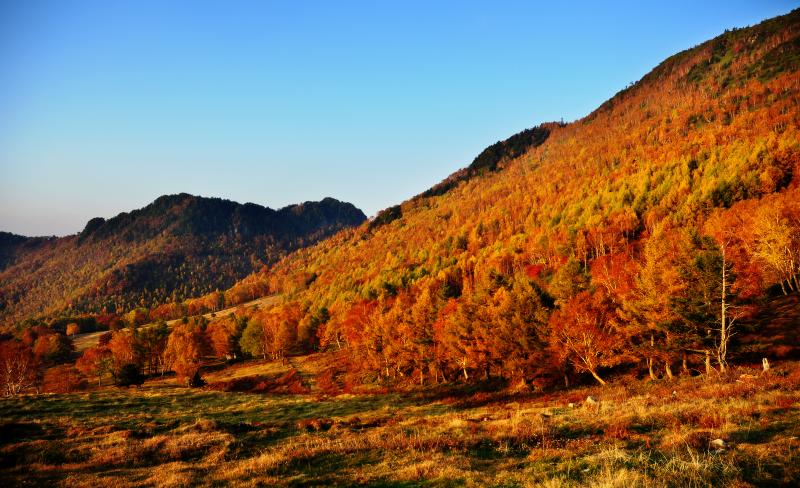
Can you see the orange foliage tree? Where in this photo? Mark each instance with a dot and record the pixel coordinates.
(64, 378)
(184, 353)
(96, 361)
(124, 350)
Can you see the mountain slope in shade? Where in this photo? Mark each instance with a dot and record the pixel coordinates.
(178, 246)
(13, 245)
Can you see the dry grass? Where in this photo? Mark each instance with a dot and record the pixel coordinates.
(640, 434)
(259, 367)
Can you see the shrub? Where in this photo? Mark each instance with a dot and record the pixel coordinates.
(128, 375)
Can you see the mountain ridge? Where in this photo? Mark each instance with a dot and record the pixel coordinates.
(159, 245)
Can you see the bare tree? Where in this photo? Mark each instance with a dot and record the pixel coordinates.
(18, 367)
(729, 314)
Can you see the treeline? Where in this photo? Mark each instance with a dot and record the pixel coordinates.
(672, 302)
(43, 359)
(487, 161)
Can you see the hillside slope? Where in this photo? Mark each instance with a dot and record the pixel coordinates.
(176, 247)
(625, 214)
(12, 246)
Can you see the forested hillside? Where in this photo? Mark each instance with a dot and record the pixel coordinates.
(12, 246)
(641, 238)
(178, 246)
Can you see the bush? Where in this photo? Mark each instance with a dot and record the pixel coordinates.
(128, 375)
(196, 381)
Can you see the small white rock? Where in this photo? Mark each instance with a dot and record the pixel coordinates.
(718, 444)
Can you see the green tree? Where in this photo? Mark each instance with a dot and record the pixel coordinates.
(128, 375)
(709, 280)
(568, 280)
(252, 341)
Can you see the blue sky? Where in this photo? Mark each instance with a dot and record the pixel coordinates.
(107, 105)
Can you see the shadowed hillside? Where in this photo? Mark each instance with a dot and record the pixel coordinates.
(178, 246)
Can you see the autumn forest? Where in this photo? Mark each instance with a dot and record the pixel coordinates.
(654, 243)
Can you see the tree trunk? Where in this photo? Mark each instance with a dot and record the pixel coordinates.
(668, 370)
(708, 362)
(722, 349)
(650, 369)
(597, 377)
(650, 359)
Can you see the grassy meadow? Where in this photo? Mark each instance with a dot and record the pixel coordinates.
(637, 434)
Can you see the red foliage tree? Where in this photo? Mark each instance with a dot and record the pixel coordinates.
(52, 347)
(96, 361)
(586, 334)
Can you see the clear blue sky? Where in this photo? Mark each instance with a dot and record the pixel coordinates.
(106, 105)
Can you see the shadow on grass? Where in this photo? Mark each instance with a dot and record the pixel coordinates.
(332, 469)
(11, 432)
(761, 433)
(157, 410)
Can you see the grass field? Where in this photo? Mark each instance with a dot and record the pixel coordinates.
(638, 434)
